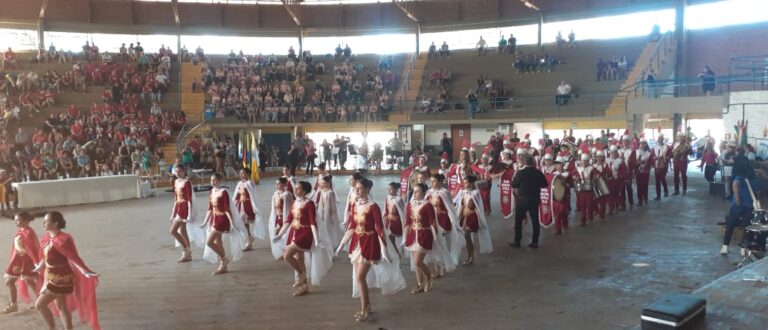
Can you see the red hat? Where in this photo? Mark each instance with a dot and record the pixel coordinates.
(444, 155)
(487, 148)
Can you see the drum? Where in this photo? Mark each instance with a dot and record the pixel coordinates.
(759, 218)
(754, 240)
(601, 187)
(558, 189)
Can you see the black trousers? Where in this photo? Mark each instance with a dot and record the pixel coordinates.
(738, 216)
(532, 208)
(342, 159)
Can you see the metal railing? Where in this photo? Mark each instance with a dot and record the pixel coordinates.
(653, 63)
(749, 69)
(406, 84)
(692, 86)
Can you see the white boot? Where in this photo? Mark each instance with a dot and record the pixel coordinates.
(724, 250)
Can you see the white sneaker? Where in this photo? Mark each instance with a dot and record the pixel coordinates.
(743, 252)
(724, 250)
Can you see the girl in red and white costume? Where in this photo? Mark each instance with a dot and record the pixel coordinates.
(484, 174)
(394, 214)
(291, 180)
(65, 273)
(472, 220)
(245, 201)
(25, 254)
(459, 171)
(185, 226)
(367, 248)
(304, 236)
(281, 203)
(223, 228)
(349, 206)
(448, 237)
(420, 232)
(328, 210)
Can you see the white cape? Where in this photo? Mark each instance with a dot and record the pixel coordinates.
(233, 241)
(196, 234)
(448, 245)
(328, 215)
(259, 228)
(279, 247)
(385, 275)
(485, 245)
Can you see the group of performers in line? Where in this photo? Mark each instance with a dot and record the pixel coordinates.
(429, 216)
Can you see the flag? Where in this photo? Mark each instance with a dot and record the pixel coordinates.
(254, 159)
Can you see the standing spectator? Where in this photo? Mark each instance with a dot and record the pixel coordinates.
(432, 51)
(559, 39)
(9, 58)
(512, 44)
(650, 83)
(622, 67)
(481, 47)
(445, 51)
(347, 52)
(571, 39)
(563, 93)
(326, 151)
(221, 156)
(709, 163)
(396, 148)
(472, 102)
(293, 159)
(311, 155)
(447, 144)
(527, 185)
(741, 203)
(707, 80)
(655, 33)
(343, 150)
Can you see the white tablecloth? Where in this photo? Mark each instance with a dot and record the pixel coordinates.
(77, 191)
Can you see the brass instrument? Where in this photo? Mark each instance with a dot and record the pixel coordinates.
(601, 187)
(681, 150)
(661, 160)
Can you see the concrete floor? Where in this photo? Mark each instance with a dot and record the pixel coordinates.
(591, 278)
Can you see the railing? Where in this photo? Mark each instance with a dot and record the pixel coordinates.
(750, 69)
(653, 63)
(407, 76)
(692, 86)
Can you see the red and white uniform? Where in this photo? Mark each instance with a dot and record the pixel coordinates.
(367, 229)
(585, 198)
(281, 204)
(420, 219)
(630, 161)
(560, 209)
(616, 184)
(394, 211)
(680, 169)
(219, 208)
(602, 170)
(645, 161)
(441, 202)
(301, 217)
(662, 155)
(182, 196)
(25, 254)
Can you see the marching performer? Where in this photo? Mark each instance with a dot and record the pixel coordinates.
(561, 208)
(644, 164)
(282, 200)
(25, 254)
(367, 248)
(420, 236)
(444, 168)
(394, 214)
(617, 198)
(349, 207)
(547, 168)
(506, 174)
(459, 171)
(291, 186)
(584, 176)
(65, 273)
(484, 183)
(472, 220)
(321, 173)
(680, 162)
(328, 210)
(446, 218)
(602, 173)
(661, 155)
(304, 236)
(223, 229)
(184, 216)
(630, 161)
(245, 200)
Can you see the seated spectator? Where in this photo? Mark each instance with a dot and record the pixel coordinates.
(622, 67)
(472, 101)
(106, 58)
(481, 47)
(559, 39)
(444, 51)
(432, 51)
(502, 45)
(9, 59)
(563, 93)
(571, 39)
(156, 110)
(339, 51)
(602, 70)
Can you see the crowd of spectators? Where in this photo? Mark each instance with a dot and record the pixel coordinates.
(118, 135)
(615, 69)
(268, 89)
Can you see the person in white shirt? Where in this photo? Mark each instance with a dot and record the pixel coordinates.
(563, 93)
(481, 47)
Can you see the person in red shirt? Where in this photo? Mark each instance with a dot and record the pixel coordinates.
(9, 58)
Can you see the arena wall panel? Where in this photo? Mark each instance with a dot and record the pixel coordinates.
(112, 12)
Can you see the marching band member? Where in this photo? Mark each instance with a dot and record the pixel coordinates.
(65, 273)
(459, 171)
(245, 200)
(223, 229)
(506, 174)
(484, 183)
(444, 168)
(472, 220)
(184, 216)
(630, 161)
(420, 235)
(560, 209)
(547, 165)
(304, 236)
(661, 155)
(328, 210)
(25, 254)
(367, 248)
(281, 205)
(680, 162)
(603, 171)
(394, 214)
(291, 186)
(584, 177)
(617, 198)
(644, 164)
(445, 215)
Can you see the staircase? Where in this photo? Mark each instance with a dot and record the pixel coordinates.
(647, 59)
(193, 105)
(415, 78)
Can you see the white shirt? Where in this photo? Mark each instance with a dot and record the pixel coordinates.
(564, 89)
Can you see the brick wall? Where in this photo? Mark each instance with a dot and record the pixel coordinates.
(757, 115)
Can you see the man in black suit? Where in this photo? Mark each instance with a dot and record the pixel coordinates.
(527, 185)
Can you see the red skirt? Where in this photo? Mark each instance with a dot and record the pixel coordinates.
(59, 279)
(21, 265)
(443, 220)
(181, 210)
(221, 223)
(368, 246)
(422, 236)
(470, 221)
(247, 209)
(395, 226)
(302, 237)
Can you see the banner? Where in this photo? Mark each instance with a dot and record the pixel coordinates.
(404, 181)
(505, 192)
(255, 161)
(545, 206)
